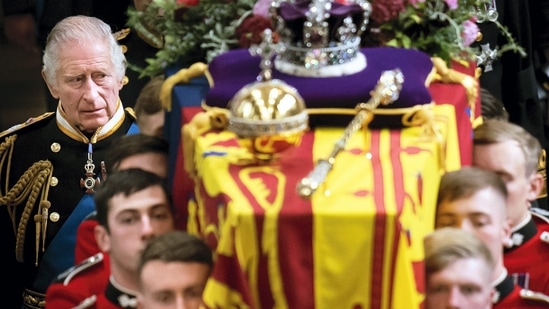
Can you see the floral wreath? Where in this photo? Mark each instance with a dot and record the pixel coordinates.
(189, 31)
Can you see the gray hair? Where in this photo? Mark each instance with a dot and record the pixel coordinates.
(81, 29)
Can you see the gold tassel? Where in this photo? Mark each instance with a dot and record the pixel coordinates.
(44, 205)
(38, 223)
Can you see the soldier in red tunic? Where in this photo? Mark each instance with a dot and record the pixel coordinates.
(458, 270)
(513, 153)
(475, 199)
(133, 206)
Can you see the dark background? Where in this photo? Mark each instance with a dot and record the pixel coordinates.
(21, 86)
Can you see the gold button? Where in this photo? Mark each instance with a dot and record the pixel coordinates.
(54, 217)
(55, 147)
(479, 36)
(124, 48)
(54, 181)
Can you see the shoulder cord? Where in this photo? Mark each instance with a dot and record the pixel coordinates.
(33, 184)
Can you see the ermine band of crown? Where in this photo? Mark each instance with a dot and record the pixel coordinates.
(319, 34)
(313, 58)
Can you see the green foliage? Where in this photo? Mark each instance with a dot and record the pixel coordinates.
(191, 34)
(431, 26)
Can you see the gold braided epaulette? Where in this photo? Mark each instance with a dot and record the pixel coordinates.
(131, 112)
(122, 34)
(25, 124)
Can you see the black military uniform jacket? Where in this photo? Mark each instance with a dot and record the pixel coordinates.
(42, 173)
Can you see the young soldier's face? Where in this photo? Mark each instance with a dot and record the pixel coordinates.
(507, 160)
(483, 213)
(134, 220)
(463, 284)
(180, 286)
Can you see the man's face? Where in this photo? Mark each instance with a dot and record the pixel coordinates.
(87, 85)
(482, 213)
(181, 289)
(507, 160)
(463, 284)
(133, 221)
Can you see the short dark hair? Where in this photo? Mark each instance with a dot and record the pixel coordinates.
(176, 246)
(133, 144)
(126, 182)
(492, 107)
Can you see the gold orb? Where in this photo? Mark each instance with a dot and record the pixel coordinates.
(269, 117)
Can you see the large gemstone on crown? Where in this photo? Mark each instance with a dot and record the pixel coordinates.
(269, 117)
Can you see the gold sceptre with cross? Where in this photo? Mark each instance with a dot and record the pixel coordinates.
(386, 92)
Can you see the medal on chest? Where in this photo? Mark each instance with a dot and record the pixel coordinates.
(90, 181)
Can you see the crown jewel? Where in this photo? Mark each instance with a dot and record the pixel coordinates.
(268, 115)
(322, 37)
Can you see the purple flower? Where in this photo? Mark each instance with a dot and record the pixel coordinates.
(261, 8)
(452, 4)
(470, 32)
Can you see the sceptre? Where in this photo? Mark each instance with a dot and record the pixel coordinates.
(386, 92)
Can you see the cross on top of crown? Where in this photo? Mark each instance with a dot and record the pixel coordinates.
(266, 49)
(486, 57)
(319, 10)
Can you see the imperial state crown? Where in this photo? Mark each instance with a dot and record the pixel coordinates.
(322, 37)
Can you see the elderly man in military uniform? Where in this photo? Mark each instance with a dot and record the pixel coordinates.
(27, 23)
(51, 165)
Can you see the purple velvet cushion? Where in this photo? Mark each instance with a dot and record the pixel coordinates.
(233, 70)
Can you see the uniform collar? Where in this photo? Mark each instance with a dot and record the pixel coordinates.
(102, 132)
(503, 289)
(119, 295)
(522, 233)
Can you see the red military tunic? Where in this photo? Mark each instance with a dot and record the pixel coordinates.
(511, 296)
(86, 245)
(90, 277)
(528, 260)
(111, 298)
